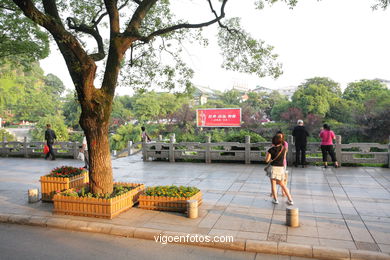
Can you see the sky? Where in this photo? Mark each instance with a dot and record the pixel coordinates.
(344, 40)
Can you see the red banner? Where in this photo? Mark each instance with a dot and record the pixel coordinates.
(218, 117)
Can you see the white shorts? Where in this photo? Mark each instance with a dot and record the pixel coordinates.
(278, 173)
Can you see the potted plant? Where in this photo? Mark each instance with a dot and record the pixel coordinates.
(81, 202)
(169, 198)
(61, 178)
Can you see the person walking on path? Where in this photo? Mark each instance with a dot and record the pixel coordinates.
(275, 156)
(300, 134)
(327, 137)
(50, 136)
(144, 136)
(84, 150)
(285, 144)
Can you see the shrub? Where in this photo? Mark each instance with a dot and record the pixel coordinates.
(65, 171)
(171, 191)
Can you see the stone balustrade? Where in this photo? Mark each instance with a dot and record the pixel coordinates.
(248, 152)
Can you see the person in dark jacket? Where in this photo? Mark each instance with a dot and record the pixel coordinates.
(300, 134)
(50, 136)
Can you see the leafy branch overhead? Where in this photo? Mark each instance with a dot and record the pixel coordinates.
(150, 30)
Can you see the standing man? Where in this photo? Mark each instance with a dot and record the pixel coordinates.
(300, 134)
(84, 149)
(50, 136)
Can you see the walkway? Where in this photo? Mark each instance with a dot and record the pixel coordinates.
(340, 208)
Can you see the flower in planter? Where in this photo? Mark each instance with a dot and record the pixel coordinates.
(65, 171)
(171, 191)
(84, 192)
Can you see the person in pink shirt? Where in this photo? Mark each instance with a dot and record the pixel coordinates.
(327, 137)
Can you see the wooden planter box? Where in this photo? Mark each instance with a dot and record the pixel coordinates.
(49, 185)
(100, 208)
(167, 203)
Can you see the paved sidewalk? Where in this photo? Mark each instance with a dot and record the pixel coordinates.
(345, 208)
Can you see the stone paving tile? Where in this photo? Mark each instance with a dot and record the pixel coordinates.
(303, 240)
(303, 230)
(327, 227)
(380, 231)
(277, 237)
(384, 248)
(367, 246)
(210, 219)
(337, 243)
(252, 235)
(222, 232)
(359, 231)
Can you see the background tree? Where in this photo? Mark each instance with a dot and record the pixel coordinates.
(24, 93)
(231, 98)
(71, 110)
(363, 90)
(57, 124)
(315, 96)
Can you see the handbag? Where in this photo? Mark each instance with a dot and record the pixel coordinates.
(46, 149)
(268, 167)
(80, 156)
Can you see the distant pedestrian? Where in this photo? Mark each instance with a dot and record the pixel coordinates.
(50, 136)
(300, 134)
(327, 137)
(285, 144)
(144, 136)
(275, 156)
(84, 150)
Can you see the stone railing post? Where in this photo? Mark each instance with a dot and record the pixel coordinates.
(291, 150)
(144, 151)
(247, 149)
(338, 149)
(25, 147)
(160, 138)
(5, 151)
(130, 147)
(388, 151)
(172, 148)
(208, 149)
(76, 150)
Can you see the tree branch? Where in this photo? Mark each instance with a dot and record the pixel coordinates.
(113, 13)
(216, 16)
(93, 31)
(139, 15)
(7, 8)
(98, 20)
(51, 9)
(217, 19)
(77, 60)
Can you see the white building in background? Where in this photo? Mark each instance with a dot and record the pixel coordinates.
(203, 93)
(287, 91)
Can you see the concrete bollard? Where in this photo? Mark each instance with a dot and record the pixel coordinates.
(292, 217)
(192, 208)
(33, 195)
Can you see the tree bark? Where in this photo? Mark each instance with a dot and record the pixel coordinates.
(95, 122)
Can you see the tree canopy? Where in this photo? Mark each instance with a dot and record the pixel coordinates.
(19, 36)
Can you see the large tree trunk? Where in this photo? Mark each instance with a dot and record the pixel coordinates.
(95, 122)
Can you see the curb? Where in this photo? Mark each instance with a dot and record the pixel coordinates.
(256, 246)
